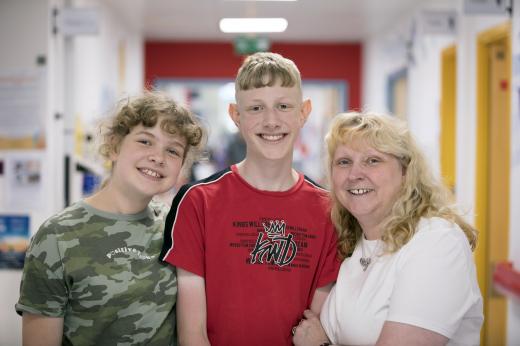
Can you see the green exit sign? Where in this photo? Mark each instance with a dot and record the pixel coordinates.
(248, 45)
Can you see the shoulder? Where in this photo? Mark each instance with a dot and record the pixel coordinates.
(199, 192)
(73, 212)
(74, 215)
(312, 191)
(211, 183)
(54, 233)
(439, 238)
(311, 185)
(439, 228)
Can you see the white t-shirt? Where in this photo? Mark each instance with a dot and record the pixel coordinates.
(430, 283)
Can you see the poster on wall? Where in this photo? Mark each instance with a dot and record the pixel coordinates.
(22, 109)
(14, 240)
(23, 181)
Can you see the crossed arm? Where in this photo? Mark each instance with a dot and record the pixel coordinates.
(310, 333)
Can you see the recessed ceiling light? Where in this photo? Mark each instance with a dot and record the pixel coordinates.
(231, 25)
(260, 0)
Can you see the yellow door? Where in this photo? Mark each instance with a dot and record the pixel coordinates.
(448, 118)
(493, 148)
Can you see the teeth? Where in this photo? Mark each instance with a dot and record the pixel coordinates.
(272, 137)
(359, 191)
(151, 173)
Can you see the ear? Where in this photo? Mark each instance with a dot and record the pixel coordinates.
(305, 111)
(234, 114)
(114, 151)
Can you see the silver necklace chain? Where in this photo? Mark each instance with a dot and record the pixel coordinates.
(366, 260)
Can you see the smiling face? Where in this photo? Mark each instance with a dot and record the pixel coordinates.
(148, 161)
(366, 181)
(270, 119)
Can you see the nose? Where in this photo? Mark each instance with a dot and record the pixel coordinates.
(356, 171)
(271, 118)
(157, 157)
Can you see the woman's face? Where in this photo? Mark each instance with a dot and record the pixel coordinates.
(366, 181)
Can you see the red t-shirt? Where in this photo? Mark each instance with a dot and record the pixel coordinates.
(262, 254)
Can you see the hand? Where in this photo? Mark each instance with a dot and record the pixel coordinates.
(309, 331)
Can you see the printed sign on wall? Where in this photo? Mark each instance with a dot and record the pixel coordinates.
(14, 240)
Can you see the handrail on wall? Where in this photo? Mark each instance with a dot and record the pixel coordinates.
(507, 280)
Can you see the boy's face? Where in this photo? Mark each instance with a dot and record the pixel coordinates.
(270, 119)
(148, 161)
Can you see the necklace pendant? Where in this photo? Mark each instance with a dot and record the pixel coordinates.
(365, 262)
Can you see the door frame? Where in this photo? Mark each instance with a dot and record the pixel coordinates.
(484, 269)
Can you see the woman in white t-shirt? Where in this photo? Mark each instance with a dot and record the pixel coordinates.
(408, 275)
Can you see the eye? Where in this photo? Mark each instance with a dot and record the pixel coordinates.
(144, 141)
(284, 106)
(373, 160)
(342, 162)
(174, 152)
(255, 108)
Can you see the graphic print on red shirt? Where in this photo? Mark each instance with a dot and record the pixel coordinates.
(262, 254)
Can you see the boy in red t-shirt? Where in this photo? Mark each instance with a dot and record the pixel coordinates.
(253, 244)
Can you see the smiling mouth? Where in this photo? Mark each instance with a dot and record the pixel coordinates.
(272, 137)
(150, 173)
(359, 192)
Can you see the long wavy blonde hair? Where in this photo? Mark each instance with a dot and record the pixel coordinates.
(422, 195)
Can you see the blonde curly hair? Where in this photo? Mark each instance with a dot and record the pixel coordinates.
(147, 109)
(422, 195)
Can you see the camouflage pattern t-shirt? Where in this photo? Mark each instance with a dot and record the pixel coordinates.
(100, 272)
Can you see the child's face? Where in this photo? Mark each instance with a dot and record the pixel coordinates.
(270, 119)
(148, 162)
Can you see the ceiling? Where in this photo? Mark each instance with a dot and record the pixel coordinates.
(309, 20)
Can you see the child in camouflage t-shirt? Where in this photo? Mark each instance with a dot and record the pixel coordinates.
(91, 274)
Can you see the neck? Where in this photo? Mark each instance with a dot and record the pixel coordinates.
(112, 200)
(268, 176)
(371, 231)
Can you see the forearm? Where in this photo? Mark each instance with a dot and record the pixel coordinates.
(191, 310)
(193, 339)
(39, 330)
(319, 297)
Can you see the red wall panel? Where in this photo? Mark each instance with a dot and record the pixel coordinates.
(338, 61)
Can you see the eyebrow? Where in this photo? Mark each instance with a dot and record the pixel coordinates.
(170, 141)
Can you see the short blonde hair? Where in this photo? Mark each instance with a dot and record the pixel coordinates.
(266, 69)
(422, 195)
(147, 109)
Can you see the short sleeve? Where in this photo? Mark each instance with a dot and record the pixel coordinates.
(185, 227)
(435, 283)
(331, 263)
(43, 290)
(328, 316)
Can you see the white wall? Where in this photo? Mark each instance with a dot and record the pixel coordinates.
(24, 34)
(97, 82)
(406, 46)
(82, 79)
(103, 69)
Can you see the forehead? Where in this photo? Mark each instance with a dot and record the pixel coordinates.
(269, 93)
(359, 147)
(159, 132)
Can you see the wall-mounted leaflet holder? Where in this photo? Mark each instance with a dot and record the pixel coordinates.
(82, 178)
(506, 280)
